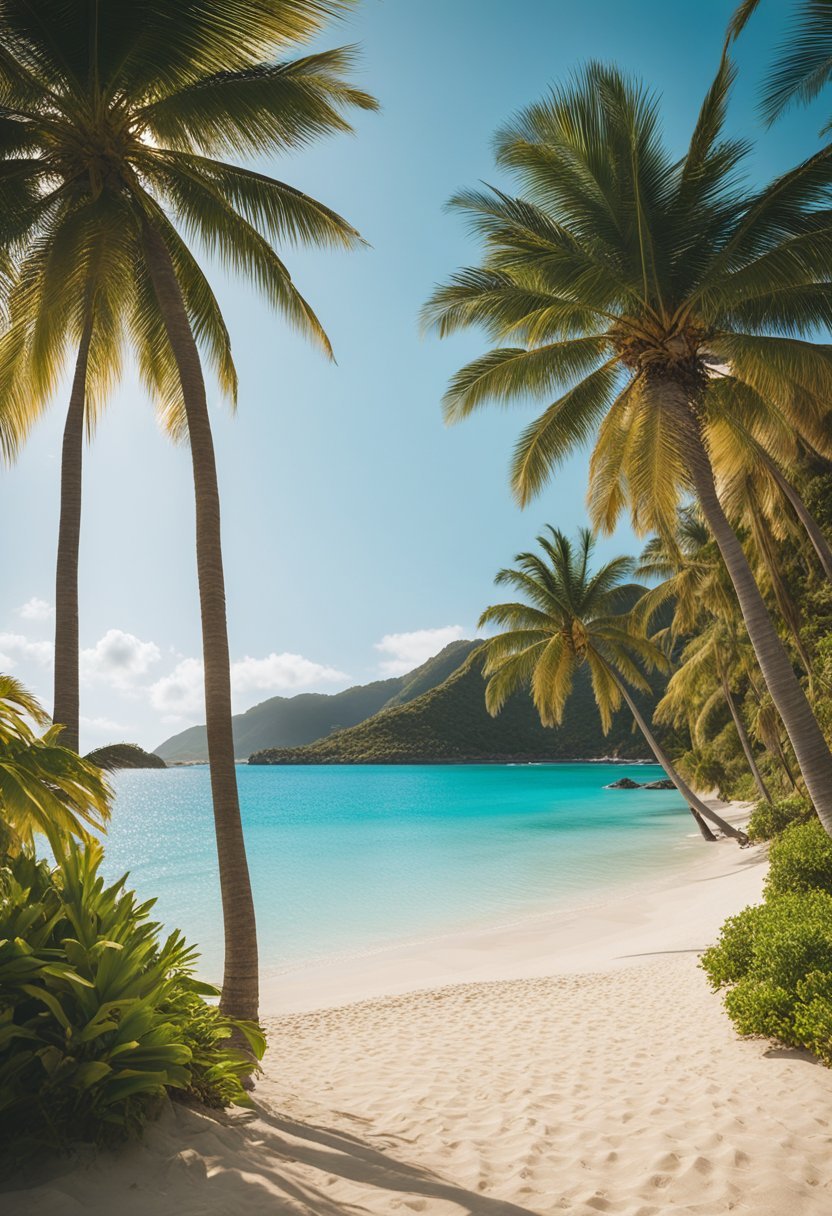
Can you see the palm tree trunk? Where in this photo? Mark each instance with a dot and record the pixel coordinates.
(770, 736)
(788, 608)
(240, 995)
(745, 742)
(697, 807)
(810, 524)
(66, 702)
(810, 747)
(706, 832)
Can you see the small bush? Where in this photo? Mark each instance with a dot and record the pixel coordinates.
(99, 1018)
(776, 961)
(768, 819)
(800, 859)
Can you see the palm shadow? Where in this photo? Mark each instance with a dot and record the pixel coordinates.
(340, 1154)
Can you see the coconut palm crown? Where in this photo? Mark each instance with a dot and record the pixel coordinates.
(566, 616)
(117, 118)
(621, 287)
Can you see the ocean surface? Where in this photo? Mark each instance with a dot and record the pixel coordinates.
(345, 860)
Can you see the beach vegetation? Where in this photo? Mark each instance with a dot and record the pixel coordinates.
(800, 859)
(101, 1019)
(768, 819)
(775, 960)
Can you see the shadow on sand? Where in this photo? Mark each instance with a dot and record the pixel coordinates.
(273, 1139)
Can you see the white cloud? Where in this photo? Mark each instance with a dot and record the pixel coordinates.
(281, 672)
(36, 610)
(180, 693)
(102, 725)
(409, 650)
(14, 647)
(119, 659)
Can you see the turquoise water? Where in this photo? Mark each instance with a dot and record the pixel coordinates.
(346, 859)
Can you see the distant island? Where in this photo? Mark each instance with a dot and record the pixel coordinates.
(295, 721)
(435, 714)
(449, 723)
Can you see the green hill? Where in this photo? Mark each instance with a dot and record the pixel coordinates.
(450, 723)
(294, 721)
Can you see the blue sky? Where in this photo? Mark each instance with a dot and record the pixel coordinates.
(351, 514)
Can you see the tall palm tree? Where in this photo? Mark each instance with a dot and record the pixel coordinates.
(122, 113)
(44, 786)
(568, 615)
(624, 282)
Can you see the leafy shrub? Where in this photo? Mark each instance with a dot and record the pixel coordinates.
(768, 819)
(776, 961)
(99, 1018)
(800, 859)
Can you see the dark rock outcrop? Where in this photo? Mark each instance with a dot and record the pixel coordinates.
(124, 755)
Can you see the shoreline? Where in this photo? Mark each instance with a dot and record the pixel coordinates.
(663, 914)
(584, 1070)
(508, 760)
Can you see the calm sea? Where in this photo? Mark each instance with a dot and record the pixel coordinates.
(346, 859)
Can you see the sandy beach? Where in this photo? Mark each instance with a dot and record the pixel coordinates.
(577, 1063)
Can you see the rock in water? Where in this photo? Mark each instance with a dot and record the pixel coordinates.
(664, 784)
(623, 783)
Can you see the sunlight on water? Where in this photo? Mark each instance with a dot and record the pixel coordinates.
(345, 859)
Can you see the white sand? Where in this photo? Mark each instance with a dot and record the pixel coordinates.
(587, 1069)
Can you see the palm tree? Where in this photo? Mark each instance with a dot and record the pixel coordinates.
(688, 575)
(627, 281)
(122, 113)
(710, 666)
(567, 616)
(44, 786)
(695, 581)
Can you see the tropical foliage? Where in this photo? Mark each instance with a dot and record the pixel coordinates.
(800, 860)
(44, 787)
(769, 819)
(774, 960)
(100, 1019)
